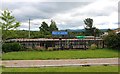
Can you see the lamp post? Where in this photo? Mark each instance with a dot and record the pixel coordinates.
(29, 29)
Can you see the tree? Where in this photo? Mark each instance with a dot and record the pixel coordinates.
(7, 23)
(109, 30)
(53, 26)
(112, 40)
(89, 29)
(89, 23)
(44, 28)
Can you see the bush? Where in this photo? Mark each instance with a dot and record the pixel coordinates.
(93, 46)
(41, 49)
(50, 49)
(29, 49)
(38, 48)
(9, 47)
(112, 40)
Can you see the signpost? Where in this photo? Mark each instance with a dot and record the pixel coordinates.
(60, 33)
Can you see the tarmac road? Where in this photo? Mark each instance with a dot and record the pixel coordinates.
(62, 62)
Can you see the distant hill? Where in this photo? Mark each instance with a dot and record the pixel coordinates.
(72, 30)
(76, 30)
(82, 30)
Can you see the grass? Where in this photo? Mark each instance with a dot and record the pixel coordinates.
(65, 69)
(62, 54)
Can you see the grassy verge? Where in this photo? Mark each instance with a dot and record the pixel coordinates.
(65, 69)
(65, 54)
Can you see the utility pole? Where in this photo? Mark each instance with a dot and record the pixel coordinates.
(95, 36)
(29, 29)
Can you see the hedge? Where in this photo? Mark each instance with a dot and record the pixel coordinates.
(9, 47)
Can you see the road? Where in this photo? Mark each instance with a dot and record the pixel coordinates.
(62, 62)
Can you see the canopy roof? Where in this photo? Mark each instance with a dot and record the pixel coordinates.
(80, 37)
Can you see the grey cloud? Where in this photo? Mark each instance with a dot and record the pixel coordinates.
(26, 27)
(46, 10)
(94, 13)
(42, 10)
(106, 11)
(72, 24)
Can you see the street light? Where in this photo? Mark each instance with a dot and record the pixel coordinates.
(30, 26)
(29, 29)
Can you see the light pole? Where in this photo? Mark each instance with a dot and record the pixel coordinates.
(29, 29)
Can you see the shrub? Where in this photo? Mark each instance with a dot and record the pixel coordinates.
(50, 49)
(29, 49)
(9, 47)
(112, 40)
(93, 46)
(38, 48)
(41, 49)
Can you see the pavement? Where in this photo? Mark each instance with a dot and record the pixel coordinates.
(62, 62)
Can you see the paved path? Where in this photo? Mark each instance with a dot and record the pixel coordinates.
(69, 62)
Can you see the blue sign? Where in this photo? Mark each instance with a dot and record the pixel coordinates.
(59, 33)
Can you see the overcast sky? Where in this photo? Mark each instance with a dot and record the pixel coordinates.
(67, 14)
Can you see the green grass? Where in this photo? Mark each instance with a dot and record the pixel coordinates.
(65, 69)
(65, 54)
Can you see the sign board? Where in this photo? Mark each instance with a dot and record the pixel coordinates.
(80, 37)
(59, 33)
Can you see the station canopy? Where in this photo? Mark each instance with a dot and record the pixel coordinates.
(80, 37)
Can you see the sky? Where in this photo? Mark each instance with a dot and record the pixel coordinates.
(67, 14)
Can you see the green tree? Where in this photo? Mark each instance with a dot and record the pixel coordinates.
(89, 23)
(89, 29)
(7, 23)
(44, 28)
(109, 30)
(112, 40)
(53, 26)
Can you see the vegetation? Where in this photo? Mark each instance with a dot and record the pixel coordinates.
(47, 30)
(65, 69)
(89, 29)
(65, 54)
(10, 47)
(37, 34)
(24, 34)
(112, 40)
(53, 26)
(8, 22)
(44, 28)
(93, 46)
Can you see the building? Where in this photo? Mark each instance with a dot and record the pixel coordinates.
(60, 43)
